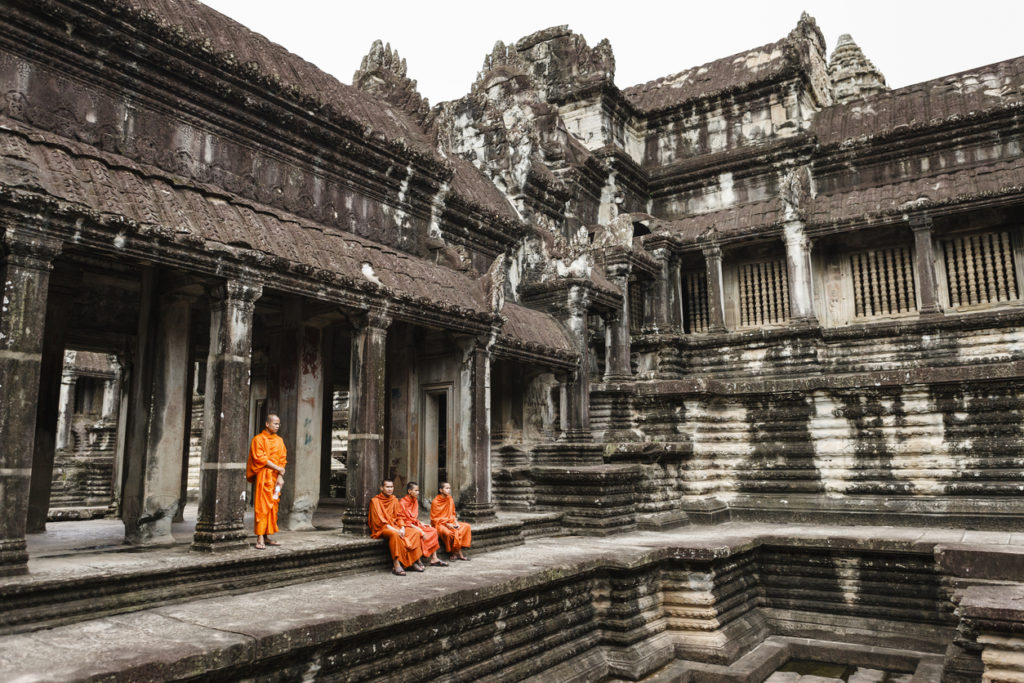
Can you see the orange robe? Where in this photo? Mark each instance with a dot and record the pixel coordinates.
(410, 509)
(442, 513)
(265, 447)
(384, 510)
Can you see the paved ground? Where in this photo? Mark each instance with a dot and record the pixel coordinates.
(170, 633)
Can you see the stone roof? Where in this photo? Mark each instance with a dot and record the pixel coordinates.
(228, 44)
(532, 330)
(215, 37)
(719, 76)
(968, 93)
(204, 217)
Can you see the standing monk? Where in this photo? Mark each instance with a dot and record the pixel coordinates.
(265, 469)
(455, 534)
(410, 509)
(385, 520)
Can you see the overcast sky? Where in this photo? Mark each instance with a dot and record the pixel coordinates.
(444, 42)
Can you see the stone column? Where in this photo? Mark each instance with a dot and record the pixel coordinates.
(577, 390)
(798, 264)
(51, 376)
(66, 401)
(474, 436)
(664, 294)
(924, 265)
(152, 491)
(617, 362)
(366, 418)
(25, 276)
(716, 288)
(299, 402)
(226, 417)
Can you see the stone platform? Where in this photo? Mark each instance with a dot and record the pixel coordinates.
(731, 602)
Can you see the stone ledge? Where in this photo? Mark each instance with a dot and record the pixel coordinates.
(31, 602)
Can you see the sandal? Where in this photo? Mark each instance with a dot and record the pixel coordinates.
(273, 543)
(439, 563)
(417, 567)
(398, 572)
(260, 546)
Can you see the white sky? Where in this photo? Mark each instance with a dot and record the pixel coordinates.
(444, 41)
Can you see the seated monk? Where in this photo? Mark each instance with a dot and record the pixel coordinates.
(456, 535)
(384, 518)
(409, 507)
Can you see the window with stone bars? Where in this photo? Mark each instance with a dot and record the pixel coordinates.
(980, 269)
(695, 301)
(764, 293)
(883, 282)
(636, 306)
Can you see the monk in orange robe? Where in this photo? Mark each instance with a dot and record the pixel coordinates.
(265, 469)
(456, 535)
(410, 509)
(385, 521)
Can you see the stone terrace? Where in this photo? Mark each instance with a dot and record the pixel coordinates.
(732, 602)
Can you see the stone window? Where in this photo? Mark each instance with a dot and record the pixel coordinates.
(980, 269)
(88, 396)
(695, 301)
(763, 293)
(636, 306)
(883, 282)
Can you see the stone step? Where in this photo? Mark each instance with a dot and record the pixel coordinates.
(149, 577)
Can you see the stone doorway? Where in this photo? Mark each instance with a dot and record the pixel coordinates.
(436, 442)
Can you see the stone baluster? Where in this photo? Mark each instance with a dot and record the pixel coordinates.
(665, 293)
(226, 417)
(924, 265)
(475, 429)
(366, 420)
(25, 276)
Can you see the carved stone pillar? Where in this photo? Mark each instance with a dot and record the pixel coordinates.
(798, 264)
(297, 395)
(24, 278)
(152, 490)
(366, 418)
(51, 376)
(617, 339)
(924, 265)
(577, 390)
(226, 417)
(716, 288)
(475, 428)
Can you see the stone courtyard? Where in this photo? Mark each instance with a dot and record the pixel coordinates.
(724, 368)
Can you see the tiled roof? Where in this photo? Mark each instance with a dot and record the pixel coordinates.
(933, 102)
(718, 76)
(107, 184)
(534, 330)
(250, 55)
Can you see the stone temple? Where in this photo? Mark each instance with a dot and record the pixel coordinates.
(724, 368)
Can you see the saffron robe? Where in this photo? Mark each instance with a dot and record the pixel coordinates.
(384, 510)
(265, 447)
(442, 513)
(410, 510)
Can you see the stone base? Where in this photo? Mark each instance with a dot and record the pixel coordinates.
(355, 522)
(568, 453)
(657, 521)
(477, 512)
(219, 541)
(13, 557)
